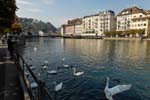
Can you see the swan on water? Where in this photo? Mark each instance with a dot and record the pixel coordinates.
(35, 49)
(77, 73)
(53, 72)
(58, 87)
(32, 68)
(33, 85)
(65, 66)
(44, 67)
(109, 92)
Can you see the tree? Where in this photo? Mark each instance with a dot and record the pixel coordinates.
(107, 33)
(141, 32)
(16, 27)
(7, 13)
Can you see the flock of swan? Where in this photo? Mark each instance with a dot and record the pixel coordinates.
(109, 92)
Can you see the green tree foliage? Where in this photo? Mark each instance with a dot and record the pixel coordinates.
(141, 31)
(132, 32)
(7, 13)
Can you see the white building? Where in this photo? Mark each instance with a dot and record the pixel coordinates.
(99, 23)
(107, 21)
(78, 28)
(133, 18)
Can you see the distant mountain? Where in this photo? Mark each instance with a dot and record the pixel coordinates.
(34, 26)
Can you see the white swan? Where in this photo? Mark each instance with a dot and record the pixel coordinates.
(53, 72)
(35, 49)
(77, 73)
(33, 85)
(44, 67)
(58, 87)
(109, 92)
(32, 68)
(65, 66)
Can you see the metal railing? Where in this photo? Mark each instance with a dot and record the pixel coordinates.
(42, 90)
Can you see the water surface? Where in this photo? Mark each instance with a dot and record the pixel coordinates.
(125, 60)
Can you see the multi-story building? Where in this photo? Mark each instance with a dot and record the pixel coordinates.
(141, 20)
(90, 23)
(133, 18)
(78, 29)
(99, 23)
(72, 27)
(107, 21)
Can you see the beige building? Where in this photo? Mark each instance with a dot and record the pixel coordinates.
(134, 18)
(99, 23)
(72, 27)
(141, 21)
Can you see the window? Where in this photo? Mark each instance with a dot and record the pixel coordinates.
(144, 24)
(140, 15)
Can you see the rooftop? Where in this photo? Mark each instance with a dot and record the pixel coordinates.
(131, 10)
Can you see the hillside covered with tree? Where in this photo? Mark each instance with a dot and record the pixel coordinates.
(34, 26)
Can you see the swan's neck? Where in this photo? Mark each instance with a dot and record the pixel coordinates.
(107, 84)
(74, 71)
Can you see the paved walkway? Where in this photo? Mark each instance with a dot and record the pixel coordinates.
(9, 79)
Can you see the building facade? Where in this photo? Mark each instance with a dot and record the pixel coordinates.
(99, 23)
(72, 27)
(78, 29)
(133, 18)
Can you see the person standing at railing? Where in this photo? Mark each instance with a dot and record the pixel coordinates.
(10, 47)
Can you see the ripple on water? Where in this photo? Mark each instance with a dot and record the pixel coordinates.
(125, 60)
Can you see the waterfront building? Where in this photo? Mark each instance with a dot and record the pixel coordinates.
(72, 27)
(90, 24)
(134, 18)
(141, 20)
(99, 23)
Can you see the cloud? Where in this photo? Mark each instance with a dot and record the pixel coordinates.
(48, 1)
(23, 2)
(34, 10)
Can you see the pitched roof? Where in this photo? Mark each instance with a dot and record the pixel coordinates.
(147, 11)
(132, 10)
(74, 21)
(91, 15)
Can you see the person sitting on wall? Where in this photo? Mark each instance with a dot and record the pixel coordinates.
(10, 47)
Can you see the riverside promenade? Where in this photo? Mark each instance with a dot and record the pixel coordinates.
(10, 88)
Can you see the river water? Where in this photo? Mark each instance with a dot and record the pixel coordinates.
(123, 61)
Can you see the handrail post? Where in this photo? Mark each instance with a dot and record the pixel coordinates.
(23, 68)
(41, 86)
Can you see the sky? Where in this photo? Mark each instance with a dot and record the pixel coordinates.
(59, 11)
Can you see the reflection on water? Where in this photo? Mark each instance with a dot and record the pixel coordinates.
(126, 61)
